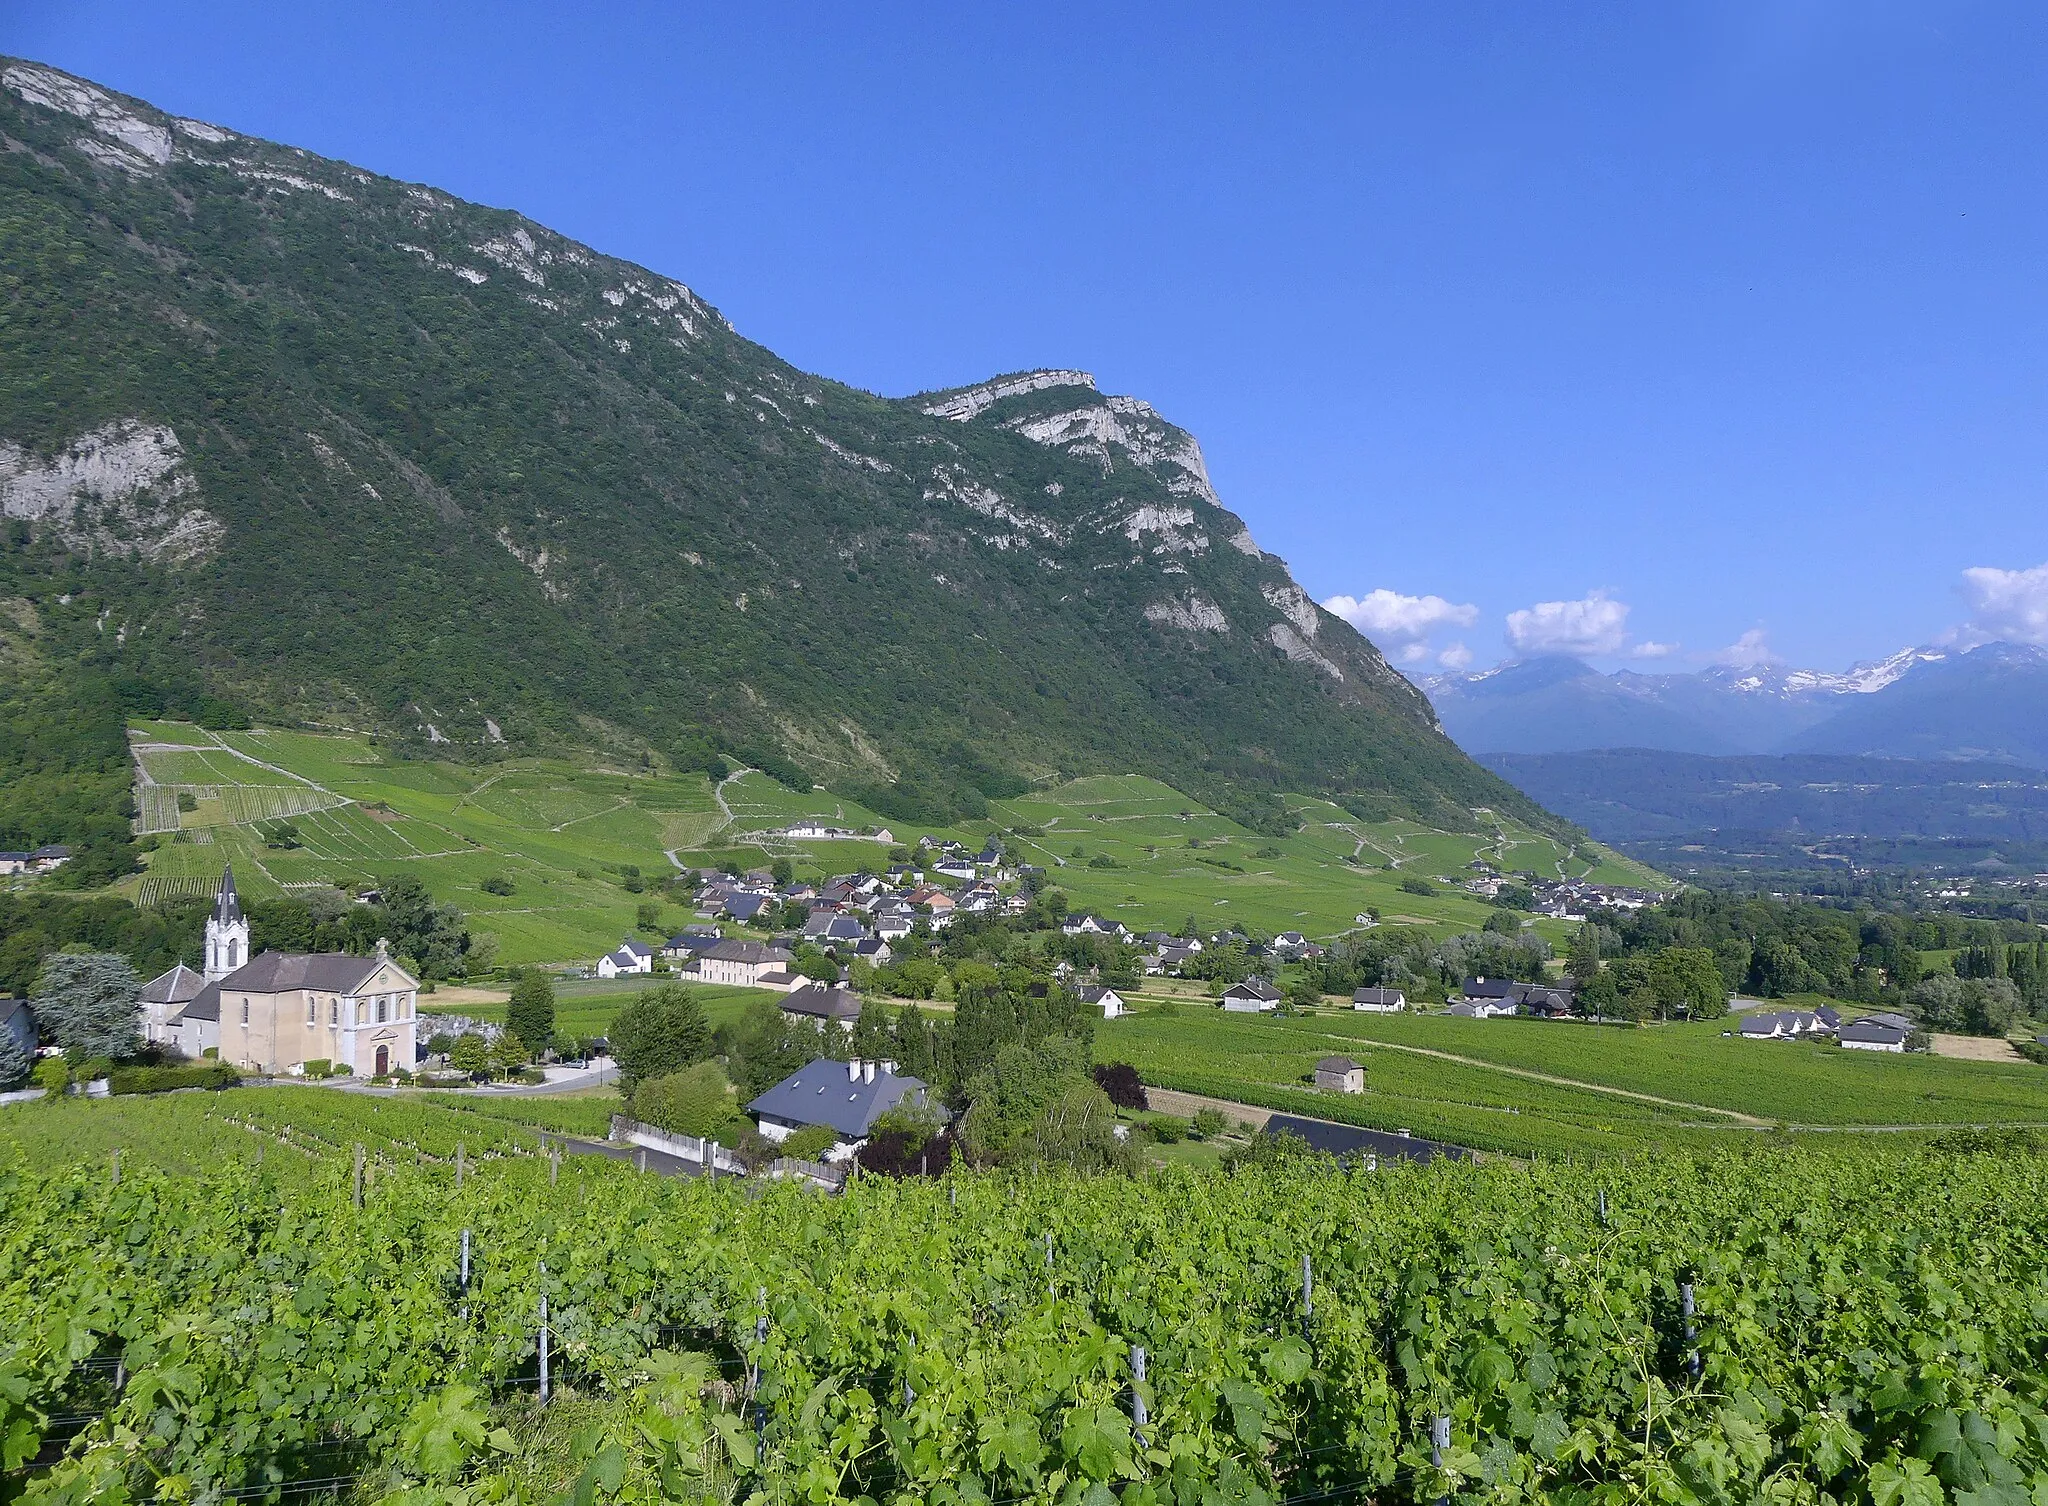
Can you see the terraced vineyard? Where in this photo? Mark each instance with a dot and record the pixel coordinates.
(1794, 1325)
(566, 836)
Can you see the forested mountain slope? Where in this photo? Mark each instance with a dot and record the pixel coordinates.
(348, 450)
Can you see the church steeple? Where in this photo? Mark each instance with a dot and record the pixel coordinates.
(227, 931)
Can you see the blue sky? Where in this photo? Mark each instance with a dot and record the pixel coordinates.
(1644, 331)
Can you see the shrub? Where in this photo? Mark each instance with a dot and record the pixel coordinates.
(1167, 1129)
(692, 1102)
(126, 1080)
(1410, 884)
(1207, 1124)
(318, 1067)
(497, 883)
(53, 1075)
(810, 1143)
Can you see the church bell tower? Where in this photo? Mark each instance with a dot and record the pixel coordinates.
(227, 931)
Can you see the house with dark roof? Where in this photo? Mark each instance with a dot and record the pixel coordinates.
(688, 942)
(826, 1002)
(1871, 1033)
(827, 929)
(632, 956)
(1253, 996)
(1108, 1000)
(18, 1024)
(845, 1097)
(1349, 1143)
(740, 960)
(1379, 1000)
(163, 999)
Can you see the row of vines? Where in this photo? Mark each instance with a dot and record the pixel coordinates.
(1784, 1325)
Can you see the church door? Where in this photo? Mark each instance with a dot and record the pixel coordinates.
(383, 1060)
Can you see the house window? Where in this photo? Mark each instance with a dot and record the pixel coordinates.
(245, 1011)
(383, 1009)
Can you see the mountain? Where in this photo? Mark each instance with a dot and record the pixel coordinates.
(1987, 702)
(1685, 812)
(283, 438)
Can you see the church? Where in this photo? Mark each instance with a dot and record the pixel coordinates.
(276, 1011)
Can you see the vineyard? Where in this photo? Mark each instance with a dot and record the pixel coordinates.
(1795, 1326)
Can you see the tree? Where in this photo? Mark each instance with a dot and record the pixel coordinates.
(15, 1061)
(86, 1000)
(1583, 962)
(1121, 1083)
(471, 1054)
(1686, 978)
(768, 1045)
(508, 1053)
(697, 1101)
(1421, 887)
(1036, 1105)
(647, 915)
(783, 871)
(531, 1013)
(662, 1031)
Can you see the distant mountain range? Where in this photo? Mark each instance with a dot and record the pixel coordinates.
(1689, 813)
(1986, 703)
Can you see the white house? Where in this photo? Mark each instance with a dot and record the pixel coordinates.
(1379, 1000)
(1108, 1000)
(1253, 996)
(631, 957)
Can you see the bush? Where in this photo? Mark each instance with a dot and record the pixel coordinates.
(1208, 1123)
(1121, 1083)
(1410, 884)
(318, 1067)
(53, 1075)
(126, 1080)
(1167, 1129)
(693, 1102)
(497, 883)
(810, 1143)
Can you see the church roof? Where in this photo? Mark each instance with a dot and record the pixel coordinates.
(227, 905)
(178, 986)
(280, 972)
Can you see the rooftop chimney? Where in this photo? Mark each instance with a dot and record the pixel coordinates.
(867, 1071)
(888, 1069)
(853, 1070)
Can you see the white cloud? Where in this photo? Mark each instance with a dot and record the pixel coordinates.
(1411, 653)
(1594, 626)
(1647, 650)
(1457, 656)
(1388, 617)
(2011, 605)
(1750, 651)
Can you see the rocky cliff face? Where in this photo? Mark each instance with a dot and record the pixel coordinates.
(364, 450)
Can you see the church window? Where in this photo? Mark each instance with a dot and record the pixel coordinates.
(234, 953)
(334, 1012)
(245, 1011)
(312, 1010)
(383, 1009)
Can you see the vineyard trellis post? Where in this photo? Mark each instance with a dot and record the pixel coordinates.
(1603, 1207)
(1688, 1309)
(1139, 1416)
(1308, 1294)
(359, 1177)
(543, 1332)
(1439, 1440)
(458, 1166)
(555, 1166)
(116, 1176)
(754, 1375)
(909, 1395)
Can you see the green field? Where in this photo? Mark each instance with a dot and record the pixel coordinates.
(1694, 1081)
(565, 832)
(587, 1009)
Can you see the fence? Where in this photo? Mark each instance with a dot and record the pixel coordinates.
(683, 1147)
